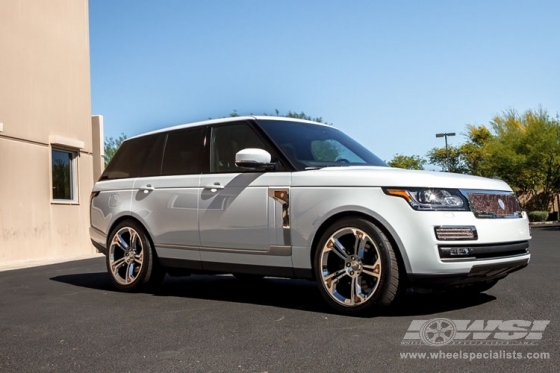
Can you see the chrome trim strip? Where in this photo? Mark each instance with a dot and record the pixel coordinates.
(473, 259)
(274, 250)
(177, 247)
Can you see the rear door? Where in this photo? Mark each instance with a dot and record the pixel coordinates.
(166, 201)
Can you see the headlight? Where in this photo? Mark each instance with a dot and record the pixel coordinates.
(431, 199)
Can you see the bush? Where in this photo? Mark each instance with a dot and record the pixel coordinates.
(538, 215)
(553, 216)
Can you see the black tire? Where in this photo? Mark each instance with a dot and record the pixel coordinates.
(131, 260)
(356, 283)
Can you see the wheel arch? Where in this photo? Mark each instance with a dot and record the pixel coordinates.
(122, 218)
(391, 235)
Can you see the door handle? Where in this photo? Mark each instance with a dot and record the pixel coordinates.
(214, 187)
(147, 188)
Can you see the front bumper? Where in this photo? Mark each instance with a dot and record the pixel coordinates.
(478, 273)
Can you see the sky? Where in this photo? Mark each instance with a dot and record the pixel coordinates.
(391, 74)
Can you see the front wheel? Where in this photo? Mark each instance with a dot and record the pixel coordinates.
(131, 261)
(356, 267)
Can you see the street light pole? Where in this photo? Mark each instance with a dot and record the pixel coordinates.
(446, 148)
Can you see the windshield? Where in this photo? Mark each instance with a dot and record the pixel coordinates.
(309, 146)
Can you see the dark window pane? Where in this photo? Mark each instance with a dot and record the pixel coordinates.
(130, 158)
(227, 141)
(62, 175)
(183, 152)
(152, 164)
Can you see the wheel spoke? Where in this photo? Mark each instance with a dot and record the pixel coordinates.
(359, 243)
(332, 280)
(129, 272)
(133, 240)
(121, 243)
(335, 274)
(373, 270)
(139, 258)
(116, 265)
(338, 248)
(356, 291)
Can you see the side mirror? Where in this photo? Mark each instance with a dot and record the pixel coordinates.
(254, 159)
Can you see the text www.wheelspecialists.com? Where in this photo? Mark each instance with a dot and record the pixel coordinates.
(463, 355)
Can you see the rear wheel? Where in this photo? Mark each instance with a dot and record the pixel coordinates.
(356, 267)
(131, 261)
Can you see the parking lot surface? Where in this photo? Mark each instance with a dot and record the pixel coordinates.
(67, 318)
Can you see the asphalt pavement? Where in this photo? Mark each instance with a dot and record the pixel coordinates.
(68, 318)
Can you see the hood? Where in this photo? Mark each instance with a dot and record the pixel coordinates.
(372, 176)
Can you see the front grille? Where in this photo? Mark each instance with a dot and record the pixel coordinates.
(494, 205)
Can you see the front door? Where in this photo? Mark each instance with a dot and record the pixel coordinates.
(239, 218)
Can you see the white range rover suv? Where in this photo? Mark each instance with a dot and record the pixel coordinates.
(267, 196)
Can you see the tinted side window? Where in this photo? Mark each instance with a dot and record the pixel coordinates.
(152, 163)
(226, 141)
(183, 152)
(130, 159)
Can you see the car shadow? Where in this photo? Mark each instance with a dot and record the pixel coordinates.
(277, 292)
(414, 304)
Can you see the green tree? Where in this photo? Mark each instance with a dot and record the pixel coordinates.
(110, 147)
(474, 152)
(450, 159)
(302, 115)
(468, 158)
(290, 114)
(409, 162)
(525, 152)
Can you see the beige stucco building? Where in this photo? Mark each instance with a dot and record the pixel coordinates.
(47, 146)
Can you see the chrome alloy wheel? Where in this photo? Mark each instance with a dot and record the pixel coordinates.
(350, 266)
(126, 255)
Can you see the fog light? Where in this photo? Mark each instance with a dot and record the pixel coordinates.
(455, 252)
